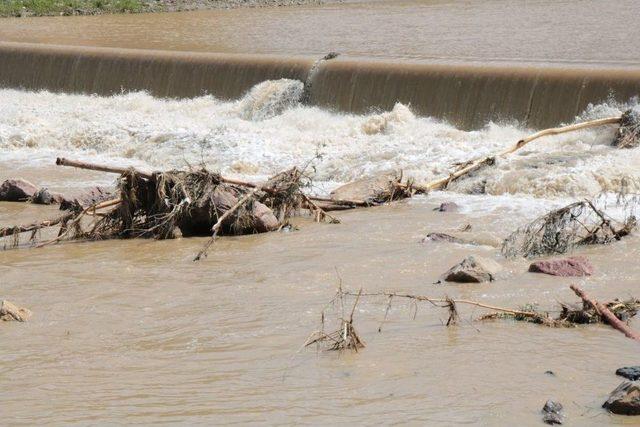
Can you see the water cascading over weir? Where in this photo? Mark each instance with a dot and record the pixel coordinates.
(466, 95)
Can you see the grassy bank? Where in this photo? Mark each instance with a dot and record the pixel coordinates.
(69, 7)
(95, 7)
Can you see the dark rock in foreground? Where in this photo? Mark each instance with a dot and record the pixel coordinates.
(629, 372)
(473, 270)
(17, 190)
(46, 197)
(625, 399)
(563, 267)
(552, 412)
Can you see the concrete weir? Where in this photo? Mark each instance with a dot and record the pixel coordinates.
(466, 95)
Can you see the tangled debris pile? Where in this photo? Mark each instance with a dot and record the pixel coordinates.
(559, 231)
(628, 134)
(162, 205)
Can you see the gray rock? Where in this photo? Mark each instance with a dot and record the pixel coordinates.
(625, 399)
(442, 237)
(552, 412)
(473, 270)
(447, 207)
(17, 190)
(629, 372)
(46, 197)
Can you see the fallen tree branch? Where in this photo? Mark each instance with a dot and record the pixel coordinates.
(473, 165)
(603, 311)
(446, 301)
(9, 231)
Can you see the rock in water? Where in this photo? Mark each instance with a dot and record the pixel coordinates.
(625, 399)
(447, 207)
(552, 412)
(17, 190)
(46, 197)
(473, 270)
(263, 218)
(628, 135)
(374, 190)
(629, 372)
(10, 312)
(563, 267)
(443, 237)
(87, 198)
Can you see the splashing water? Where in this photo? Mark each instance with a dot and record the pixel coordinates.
(270, 98)
(268, 131)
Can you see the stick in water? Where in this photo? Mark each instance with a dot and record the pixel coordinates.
(611, 318)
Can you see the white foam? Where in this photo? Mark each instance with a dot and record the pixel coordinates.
(267, 131)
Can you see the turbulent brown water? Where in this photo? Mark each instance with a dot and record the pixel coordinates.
(135, 332)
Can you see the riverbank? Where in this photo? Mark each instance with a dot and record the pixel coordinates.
(25, 8)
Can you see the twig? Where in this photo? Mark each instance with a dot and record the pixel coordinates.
(319, 213)
(446, 302)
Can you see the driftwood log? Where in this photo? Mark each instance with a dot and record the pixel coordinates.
(473, 165)
(611, 319)
(328, 203)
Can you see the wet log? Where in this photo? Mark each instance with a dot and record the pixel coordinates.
(61, 161)
(611, 319)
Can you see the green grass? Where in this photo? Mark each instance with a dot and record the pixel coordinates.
(68, 7)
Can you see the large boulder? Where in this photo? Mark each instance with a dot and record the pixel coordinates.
(87, 198)
(473, 270)
(563, 267)
(552, 412)
(625, 399)
(11, 312)
(17, 190)
(370, 190)
(253, 217)
(263, 218)
(629, 372)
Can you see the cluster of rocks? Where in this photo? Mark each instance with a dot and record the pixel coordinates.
(623, 400)
(21, 190)
(475, 269)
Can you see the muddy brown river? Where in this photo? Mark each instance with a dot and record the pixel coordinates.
(134, 332)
